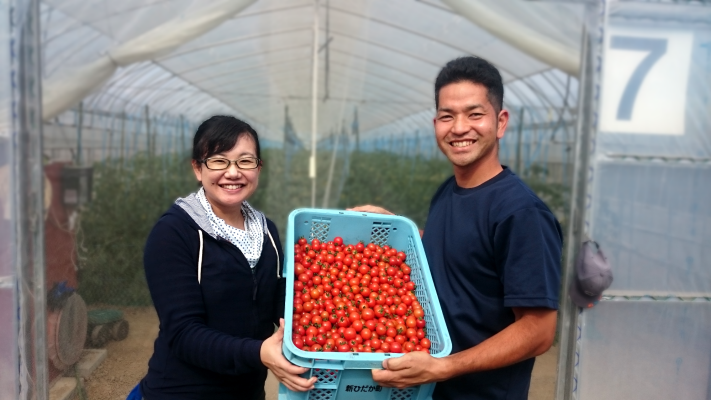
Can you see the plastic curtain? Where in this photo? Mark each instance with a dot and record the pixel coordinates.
(66, 90)
(551, 48)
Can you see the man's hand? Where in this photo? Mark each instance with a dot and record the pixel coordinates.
(412, 369)
(286, 372)
(370, 209)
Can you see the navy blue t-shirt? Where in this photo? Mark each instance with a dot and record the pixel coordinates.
(490, 248)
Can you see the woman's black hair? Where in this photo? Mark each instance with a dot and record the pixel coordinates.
(219, 134)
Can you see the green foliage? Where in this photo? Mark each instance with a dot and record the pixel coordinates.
(128, 200)
(130, 197)
(402, 185)
(555, 195)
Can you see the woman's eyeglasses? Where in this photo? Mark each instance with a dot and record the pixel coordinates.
(218, 163)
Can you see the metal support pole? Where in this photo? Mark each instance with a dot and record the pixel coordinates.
(123, 137)
(327, 62)
(314, 107)
(568, 315)
(149, 145)
(28, 192)
(111, 138)
(329, 181)
(519, 168)
(183, 145)
(80, 123)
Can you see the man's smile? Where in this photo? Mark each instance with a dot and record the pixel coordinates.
(462, 143)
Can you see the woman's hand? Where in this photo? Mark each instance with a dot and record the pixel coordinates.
(286, 372)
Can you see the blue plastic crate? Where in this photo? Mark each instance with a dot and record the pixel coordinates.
(344, 376)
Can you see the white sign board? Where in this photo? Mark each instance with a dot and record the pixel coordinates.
(644, 81)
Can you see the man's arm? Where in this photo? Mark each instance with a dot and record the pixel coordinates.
(530, 335)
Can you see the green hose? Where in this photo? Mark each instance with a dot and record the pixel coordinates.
(104, 316)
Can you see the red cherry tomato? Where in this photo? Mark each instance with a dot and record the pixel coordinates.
(349, 334)
(354, 298)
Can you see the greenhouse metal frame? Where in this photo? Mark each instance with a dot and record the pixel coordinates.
(119, 88)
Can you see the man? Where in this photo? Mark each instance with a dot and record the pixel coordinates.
(493, 248)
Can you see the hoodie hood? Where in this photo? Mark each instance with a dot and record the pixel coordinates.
(192, 206)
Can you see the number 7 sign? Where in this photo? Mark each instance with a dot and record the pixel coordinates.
(644, 81)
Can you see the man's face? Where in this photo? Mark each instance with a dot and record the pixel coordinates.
(467, 126)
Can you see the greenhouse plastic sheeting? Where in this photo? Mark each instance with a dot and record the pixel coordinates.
(649, 201)
(381, 59)
(678, 70)
(648, 204)
(129, 128)
(646, 350)
(654, 222)
(8, 318)
(23, 360)
(8, 306)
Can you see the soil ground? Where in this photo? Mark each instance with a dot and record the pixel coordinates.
(127, 362)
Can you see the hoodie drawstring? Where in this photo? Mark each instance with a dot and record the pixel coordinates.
(278, 272)
(200, 257)
(277, 253)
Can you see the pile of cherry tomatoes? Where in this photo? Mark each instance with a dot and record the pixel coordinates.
(355, 298)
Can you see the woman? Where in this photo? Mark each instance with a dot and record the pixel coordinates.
(213, 266)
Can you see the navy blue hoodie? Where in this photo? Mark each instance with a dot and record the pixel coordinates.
(210, 332)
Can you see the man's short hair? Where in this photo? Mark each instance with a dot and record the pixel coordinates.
(475, 70)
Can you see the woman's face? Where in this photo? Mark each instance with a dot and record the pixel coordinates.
(226, 189)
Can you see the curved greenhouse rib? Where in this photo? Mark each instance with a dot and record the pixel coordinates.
(401, 107)
(212, 45)
(518, 35)
(116, 90)
(238, 73)
(389, 89)
(68, 52)
(273, 10)
(62, 92)
(425, 60)
(219, 61)
(422, 35)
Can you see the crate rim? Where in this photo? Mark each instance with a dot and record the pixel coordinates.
(316, 358)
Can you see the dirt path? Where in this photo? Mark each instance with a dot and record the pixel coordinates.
(127, 362)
